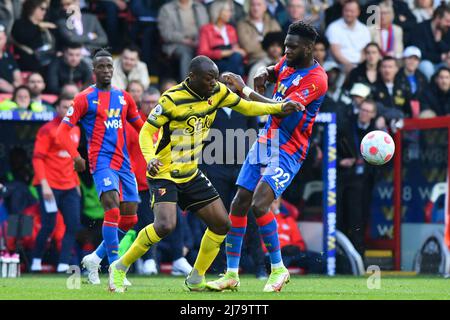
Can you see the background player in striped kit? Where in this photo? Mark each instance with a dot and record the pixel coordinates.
(102, 111)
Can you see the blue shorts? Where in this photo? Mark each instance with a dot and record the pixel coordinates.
(123, 182)
(275, 167)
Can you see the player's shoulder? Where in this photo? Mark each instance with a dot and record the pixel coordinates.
(318, 77)
(81, 97)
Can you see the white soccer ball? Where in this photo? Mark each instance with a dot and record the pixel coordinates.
(377, 147)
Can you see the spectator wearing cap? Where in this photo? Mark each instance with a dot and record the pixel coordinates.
(367, 71)
(335, 80)
(129, 67)
(358, 93)
(253, 28)
(411, 74)
(387, 35)
(348, 37)
(9, 71)
(432, 37)
(80, 28)
(179, 23)
(70, 68)
(355, 176)
(36, 84)
(391, 93)
(218, 40)
(437, 97)
(273, 46)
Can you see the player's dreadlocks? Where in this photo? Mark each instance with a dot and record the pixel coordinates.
(303, 30)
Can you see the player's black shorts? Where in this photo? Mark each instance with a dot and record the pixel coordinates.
(192, 195)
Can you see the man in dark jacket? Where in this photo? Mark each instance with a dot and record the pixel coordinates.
(437, 97)
(69, 68)
(432, 37)
(390, 92)
(355, 176)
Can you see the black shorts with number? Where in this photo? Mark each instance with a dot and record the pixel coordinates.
(192, 195)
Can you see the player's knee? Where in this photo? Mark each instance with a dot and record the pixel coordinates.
(241, 203)
(164, 228)
(259, 207)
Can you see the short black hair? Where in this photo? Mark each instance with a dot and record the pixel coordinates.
(388, 58)
(322, 39)
(441, 10)
(63, 96)
(303, 30)
(102, 52)
(273, 38)
(72, 46)
(198, 62)
(372, 44)
(133, 48)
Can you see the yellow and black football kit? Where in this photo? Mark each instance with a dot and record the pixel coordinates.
(183, 119)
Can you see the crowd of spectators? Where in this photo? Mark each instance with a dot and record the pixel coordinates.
(385, 60)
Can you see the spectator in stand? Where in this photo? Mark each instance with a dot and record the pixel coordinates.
(166, 84)
(253, 28)
(403, 16)
(277, 10)
(179, 23)
(21, 100)
(432, 37)
(149, 101)
(136, 90)
(423, 10)
(218, 40)
(355, 176)
(293, 248)
(58, 186)
(147, 34)
(9, 71)
(348, 37)
(112, 8)
(80, 28)
(437, 97)
(410, 73)
(335, 80)
(36, 85)
(33, 42)
(296, 12)
(129, 67)
(367, 71)
(237, 10)
(391, 93)
(358, 93)
(272, 44)
(334, 12)
(9, 12)
(70, 89)
(320, 49)
(387, 35)
(70, 68)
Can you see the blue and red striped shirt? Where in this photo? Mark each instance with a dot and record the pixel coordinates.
(307, 86)
(103, 115)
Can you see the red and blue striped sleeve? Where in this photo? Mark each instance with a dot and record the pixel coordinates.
(133, 116)
(77, 110)
(311, 88)
(278, 66)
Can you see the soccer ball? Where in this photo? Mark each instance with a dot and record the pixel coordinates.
(377, 147)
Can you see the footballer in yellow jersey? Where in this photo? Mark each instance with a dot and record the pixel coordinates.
(183, 116)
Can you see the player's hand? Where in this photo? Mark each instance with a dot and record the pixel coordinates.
(234, 80)
(260, 79)
(292, 106)
(153, 167)
(47, 192)
(347, 162)
(79, 164)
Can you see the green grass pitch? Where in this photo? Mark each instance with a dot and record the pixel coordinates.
(52, 287)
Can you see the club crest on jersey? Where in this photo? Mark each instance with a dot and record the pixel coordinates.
(297, 80)
(122, 100)
(70, 111)
(162, 191)
(107, 181)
